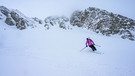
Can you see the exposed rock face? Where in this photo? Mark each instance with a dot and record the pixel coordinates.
(15, 17)
(37, 20)
(104, 22)
(62, 22)
(9, 20)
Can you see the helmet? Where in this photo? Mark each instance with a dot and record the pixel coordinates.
(88, 38)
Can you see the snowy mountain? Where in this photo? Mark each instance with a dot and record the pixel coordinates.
(56, 52)
(15, 18)
(61, 22)
(100, 21)
(104, 22)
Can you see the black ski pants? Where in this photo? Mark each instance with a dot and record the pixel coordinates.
(93, 47)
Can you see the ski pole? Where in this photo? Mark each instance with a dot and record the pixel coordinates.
(82, 49)
(97, 45)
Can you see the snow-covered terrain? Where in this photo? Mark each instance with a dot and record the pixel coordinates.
(56, 52)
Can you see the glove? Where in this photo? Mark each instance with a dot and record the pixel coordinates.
(86, 46)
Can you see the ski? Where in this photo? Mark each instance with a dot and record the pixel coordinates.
(97, 52)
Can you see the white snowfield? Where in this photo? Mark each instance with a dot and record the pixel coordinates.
(56, 52)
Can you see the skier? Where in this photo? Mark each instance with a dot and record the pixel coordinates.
(91, 44)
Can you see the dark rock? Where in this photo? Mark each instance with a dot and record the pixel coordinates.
(104, 22)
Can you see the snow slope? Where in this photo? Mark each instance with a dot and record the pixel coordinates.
(56, 52)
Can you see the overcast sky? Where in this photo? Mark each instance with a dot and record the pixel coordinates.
(44, 8)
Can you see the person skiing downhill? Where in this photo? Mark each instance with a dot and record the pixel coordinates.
(91, 44)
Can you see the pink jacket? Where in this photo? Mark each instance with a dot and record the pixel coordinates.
(89, 42)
